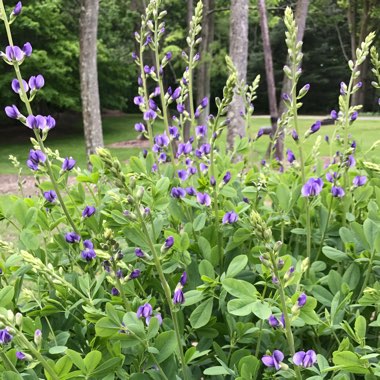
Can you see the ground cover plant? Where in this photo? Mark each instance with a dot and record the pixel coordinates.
(192, 262)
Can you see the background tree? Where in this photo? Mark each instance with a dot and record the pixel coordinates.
(239, 56)
(92, 122)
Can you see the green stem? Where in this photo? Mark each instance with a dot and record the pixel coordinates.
(166, 289)
(191, 95)
(120, 288)
(25, 100)
(7, 363)
(325, 229)
(368, 273)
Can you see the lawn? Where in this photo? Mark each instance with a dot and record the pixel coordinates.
(69, 139)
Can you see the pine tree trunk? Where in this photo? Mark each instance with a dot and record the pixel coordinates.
(203, 72)
(239, 56)
(92, 122)
(300, 17)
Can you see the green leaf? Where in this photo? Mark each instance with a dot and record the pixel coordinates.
(166, 344)
(240, 306)
(192, 297)
(153, 328)
(107, 368)
(134, 324)
(8, 375)
(137, 165)
(237, 264)
(199, 222)
(261, 309)
(6, 296)
(57, 350)
(360, 329)
(249, 367)
(76, 359)
(349, 361)
(202, 314)
(63, 366)
(92, 360)
(240, 288)
(283, 196)
(334, 254)
(106, 328)
(371, 230)
(217, 370)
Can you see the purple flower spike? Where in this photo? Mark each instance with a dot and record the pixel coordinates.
(178, 192)
(230, 217)
(5, 336)
(183, 279)
(88, 253)
(14, 53)
(35, 157)
(88, 211)
(359, 180)
(312, 187)
(72, 237)
(337, 192)
(12, 112)
(50, 196)
(36, 122)
(16, 86)
(36, 82)
(305, 359)
(315, 127)
(301, 301)
(17, 9)
(178, 297)
(204, 199)
(27, 49)
(273, 360)
(68, 164)
(20, 355)
(145, 311)
(290, 156)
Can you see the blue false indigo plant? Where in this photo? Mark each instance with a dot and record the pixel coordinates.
(184, 264)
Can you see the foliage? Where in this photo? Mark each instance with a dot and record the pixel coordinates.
(186, 264)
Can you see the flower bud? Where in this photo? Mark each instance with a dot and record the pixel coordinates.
(38, 337)
(18, 319)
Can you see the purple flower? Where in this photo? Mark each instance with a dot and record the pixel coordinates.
(305, 359)
(180, 108)
(260, 133)
(178, 297)
(204, 199)
(290, 156)
(135, 274)
(5, 337)
(183, 279)
(286, 97)
(50, 122)
(36, 82)
(191, 191)
(139, 252)
(88, 253)
(178, 192)
(145, 311)
(327, 139)
(134, 55)
(212, 181)
(162, 158)
(203, 167)
(68, 164)
(227, 177)
(139, 127)
(115, 292)
(168, 55)
(138, 100)
(88, 211)
(27, 49)
(182, 175)
(273, 360)
(176, 93)
(354, 116)
(184, 148)
(343, 88)
(201, 130)
(158, 316)
(119, 273)
(312, 187)
(72, 237)
(359, 180)
(161, 140)
(337, 192)
(192, 170)
(152, 105)
(14, 53)
(20, 355)
(351, 162)
(315, 127)
(16, 87)
(204, 102)
(334, 115)
(273, 321)
(295, 135)
(50, 196)
(12, 112)
(174, 132)
(17, 9)
(169, 242)
(150, 115)
(230, 217)
(36, 122)
(35, 157)
(301, 301)
(205, 149)
(353, 144)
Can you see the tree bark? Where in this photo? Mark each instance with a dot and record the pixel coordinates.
(92, 122)
(239, 56)
(271, 87)
(203, 72)
(300, 17)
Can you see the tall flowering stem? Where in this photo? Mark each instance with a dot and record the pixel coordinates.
(26, 101)
(217, 129)
(292, 101)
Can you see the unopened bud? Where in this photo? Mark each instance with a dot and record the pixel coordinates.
(305, 264)
(277, 246)
(140, 193)
(38, 337)
(18, 319)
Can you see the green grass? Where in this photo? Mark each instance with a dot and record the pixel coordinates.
(71, 143)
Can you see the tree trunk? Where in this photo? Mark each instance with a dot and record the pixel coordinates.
(92, 122)
(203, 72)
(271, 87)
(300, 17)
(239, 56)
